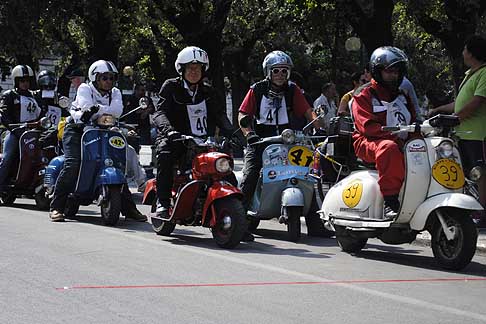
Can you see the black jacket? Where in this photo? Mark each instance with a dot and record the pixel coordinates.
(171, 111)
(10, 106)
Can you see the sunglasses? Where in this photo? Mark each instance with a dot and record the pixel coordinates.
(106, 78)
(280, 70)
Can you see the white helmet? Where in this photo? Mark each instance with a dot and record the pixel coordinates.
(191, 54)
(101, 66)
(21, 71)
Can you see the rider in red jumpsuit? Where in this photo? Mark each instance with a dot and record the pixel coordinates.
(381, 103)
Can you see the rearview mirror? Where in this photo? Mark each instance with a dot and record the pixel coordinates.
(143, 103)
(246, 121)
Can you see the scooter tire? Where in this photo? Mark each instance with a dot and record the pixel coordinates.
(457, 253)
(293, 223)
(8, 199)
(161, 227)
(41, 201)
(347, 242)
(111, 207)
(231, 207)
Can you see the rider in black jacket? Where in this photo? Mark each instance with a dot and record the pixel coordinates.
(186, 106)
(16, 106)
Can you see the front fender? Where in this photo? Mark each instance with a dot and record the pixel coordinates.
(292, 197)
(218, 190)
(456, 200)
(110, 175)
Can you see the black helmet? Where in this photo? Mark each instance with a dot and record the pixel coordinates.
(46, 80)
(385, 57)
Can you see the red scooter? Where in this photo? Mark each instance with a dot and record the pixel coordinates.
(27, 177)
(204, 194)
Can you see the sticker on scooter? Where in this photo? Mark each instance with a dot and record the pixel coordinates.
(448, 173)
(300, 155)
(117, 142)
(352, 193)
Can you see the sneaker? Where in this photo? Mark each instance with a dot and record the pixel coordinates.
(248, 237)
(162, 212)
(56, 216)
(136, 215)
(389, 213)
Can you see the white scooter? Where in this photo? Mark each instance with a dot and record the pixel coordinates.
(431, 199)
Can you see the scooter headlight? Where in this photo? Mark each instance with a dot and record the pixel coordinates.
(108, 162)
(476, 173)
(445, 149)
(288, 136)
(106, 120)
(223, 165)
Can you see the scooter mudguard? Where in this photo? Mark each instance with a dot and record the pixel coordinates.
(183, 208)
(454, 199)
(110, 175)
(150, 192)
(292, 197)
(218, 190)
(30, 154)
(52, 172)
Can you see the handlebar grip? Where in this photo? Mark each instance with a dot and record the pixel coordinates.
(390, 128)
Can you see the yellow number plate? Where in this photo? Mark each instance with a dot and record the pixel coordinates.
(448, 173)
(117, 142)
(300, 156)
(352, 193)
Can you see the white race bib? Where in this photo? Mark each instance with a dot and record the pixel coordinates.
(398, 114)
(198, 117)
(29, 110)
(269, 109)
(54, 114)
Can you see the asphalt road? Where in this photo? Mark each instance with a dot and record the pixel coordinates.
(83, 272)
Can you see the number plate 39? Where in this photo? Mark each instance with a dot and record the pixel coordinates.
(448, 173)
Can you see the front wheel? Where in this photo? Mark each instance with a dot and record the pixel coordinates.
(293, 223)
(231, 222)
(347, 242)
(111, 206)
(458, 252)
(42, 202)
(160, 227)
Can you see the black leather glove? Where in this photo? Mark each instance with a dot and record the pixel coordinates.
(174, 135)
(252, 138)
(87, 114)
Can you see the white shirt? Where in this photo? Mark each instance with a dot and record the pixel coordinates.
(88, 96)
(408, 88)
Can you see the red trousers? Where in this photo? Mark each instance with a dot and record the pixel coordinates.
(389, 162)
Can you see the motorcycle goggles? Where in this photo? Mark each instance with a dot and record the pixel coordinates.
(284, 71)
(107, 77)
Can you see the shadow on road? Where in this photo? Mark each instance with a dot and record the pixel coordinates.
(402, 257)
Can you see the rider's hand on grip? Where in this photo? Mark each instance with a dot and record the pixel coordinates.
(252, 138)
(87, 114)
(174, 135)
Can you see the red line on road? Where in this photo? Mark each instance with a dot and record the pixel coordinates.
(276, 283)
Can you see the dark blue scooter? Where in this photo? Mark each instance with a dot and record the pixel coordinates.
(102, 172)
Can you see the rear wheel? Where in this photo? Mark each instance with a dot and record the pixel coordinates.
(71, 209)
(348, 242)
(458, 252)
(42, 201)
(293, 223)
(111, 207)
(161, 227)
(8, 199)
(231, 222)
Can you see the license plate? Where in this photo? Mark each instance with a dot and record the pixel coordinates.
(448, 173)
